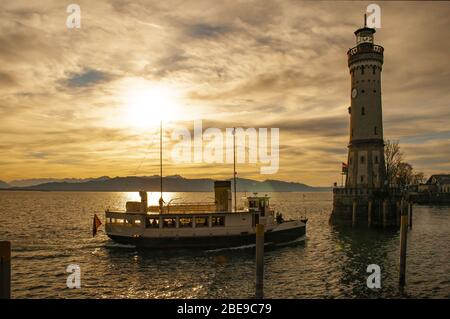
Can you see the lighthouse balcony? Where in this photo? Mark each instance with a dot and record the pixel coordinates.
(365, 52)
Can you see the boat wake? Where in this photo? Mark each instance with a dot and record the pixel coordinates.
(292, 242)
(231, 248)
(116, 245)
(237, 247)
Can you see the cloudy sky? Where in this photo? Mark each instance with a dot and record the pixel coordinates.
(86, 102)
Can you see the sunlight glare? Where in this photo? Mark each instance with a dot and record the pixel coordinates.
(145, 105)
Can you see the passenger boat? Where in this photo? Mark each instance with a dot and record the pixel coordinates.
(200, 225)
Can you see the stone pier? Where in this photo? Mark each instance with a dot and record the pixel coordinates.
(365, 207)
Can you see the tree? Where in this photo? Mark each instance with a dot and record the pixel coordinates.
(404, 174)
(398, 172)
(393, 159)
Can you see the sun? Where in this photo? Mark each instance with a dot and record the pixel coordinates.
(146, 104)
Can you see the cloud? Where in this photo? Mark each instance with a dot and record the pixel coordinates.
(203, 30)
(87, 78)
(242, 63)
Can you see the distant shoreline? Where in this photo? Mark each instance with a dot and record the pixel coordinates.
(173, 183)
(157, 191)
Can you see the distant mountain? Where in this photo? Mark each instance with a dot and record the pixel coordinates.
(38, 181)
(4, 185)
(170, 183)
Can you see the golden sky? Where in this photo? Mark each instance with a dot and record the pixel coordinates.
(71, 100)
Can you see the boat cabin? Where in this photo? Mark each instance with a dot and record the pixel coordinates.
(192, 218)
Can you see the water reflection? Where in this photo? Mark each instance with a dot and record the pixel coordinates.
(50, 230)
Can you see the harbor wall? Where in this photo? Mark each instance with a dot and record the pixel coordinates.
(366, 207)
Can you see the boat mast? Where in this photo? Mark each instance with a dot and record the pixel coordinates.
(234, 166)
(160, 169)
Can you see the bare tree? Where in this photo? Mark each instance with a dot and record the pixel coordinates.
(399, 173)
(393, 159)
(404, 174)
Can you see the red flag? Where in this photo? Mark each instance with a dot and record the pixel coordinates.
(95, 225)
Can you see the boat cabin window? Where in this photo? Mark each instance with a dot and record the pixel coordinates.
(169, 222)
(118, 220)
(218, 221)
(184, 222)
(152, 222)
(201, 221)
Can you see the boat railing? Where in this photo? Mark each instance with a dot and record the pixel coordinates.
(185, 208)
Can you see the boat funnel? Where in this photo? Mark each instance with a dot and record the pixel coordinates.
(222, 195)
(144, 202)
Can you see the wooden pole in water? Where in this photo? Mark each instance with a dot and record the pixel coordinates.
(403, 244)
(259, 261)
(385, 213)
(5, 270)
(354, 214)
(398, 212)
(234, 168)
(369, 213)
(410, 214)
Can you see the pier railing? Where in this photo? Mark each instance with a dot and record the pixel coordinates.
(366, 191)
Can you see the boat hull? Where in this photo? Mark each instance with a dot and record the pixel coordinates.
(275, 236)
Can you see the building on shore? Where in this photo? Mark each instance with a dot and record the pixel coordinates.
(366, 198)
(436, 184)
(435, 191)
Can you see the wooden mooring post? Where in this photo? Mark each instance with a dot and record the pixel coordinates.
(259, 261)
(410, 214)
(5, 270)
(385, 212)
(354, 213)
(403, 243)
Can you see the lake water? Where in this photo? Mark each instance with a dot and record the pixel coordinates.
(51, 230)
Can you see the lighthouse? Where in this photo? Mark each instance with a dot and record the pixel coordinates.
(366, 200)
(365, 161)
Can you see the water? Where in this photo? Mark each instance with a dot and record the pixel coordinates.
(51, 230)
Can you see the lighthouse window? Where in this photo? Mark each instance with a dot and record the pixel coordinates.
(363, 159)
(373, 70)
(362, 91)
(363, 111)
(362, 70)
(375, 130)
(376, 159)
(362, 178)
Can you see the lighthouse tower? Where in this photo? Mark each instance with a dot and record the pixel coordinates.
(365, 201)
(366, 167)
